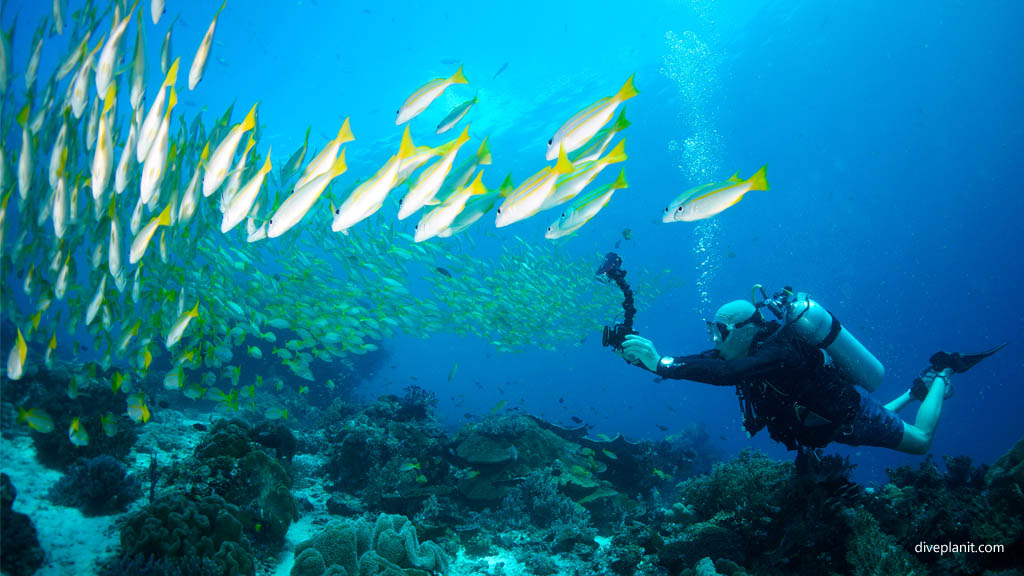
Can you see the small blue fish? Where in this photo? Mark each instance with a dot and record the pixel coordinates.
(457, 114)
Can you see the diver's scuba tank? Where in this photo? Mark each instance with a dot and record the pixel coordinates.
(818, 327)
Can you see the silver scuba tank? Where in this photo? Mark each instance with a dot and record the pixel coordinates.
(818, 327)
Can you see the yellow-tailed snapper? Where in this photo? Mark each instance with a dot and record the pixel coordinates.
(419, 100)
(707, 200)
(587, 122)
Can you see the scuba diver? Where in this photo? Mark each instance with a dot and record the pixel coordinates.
(796, 375)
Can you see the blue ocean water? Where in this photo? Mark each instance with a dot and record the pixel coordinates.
(892, 134)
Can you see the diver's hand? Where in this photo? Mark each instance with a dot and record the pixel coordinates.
(640, 351)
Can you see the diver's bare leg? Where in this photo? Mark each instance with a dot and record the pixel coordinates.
(917, 437)
(899, 402)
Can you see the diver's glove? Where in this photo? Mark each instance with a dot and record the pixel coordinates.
(640, 351)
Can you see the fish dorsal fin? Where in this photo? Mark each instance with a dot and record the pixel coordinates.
(735, 177)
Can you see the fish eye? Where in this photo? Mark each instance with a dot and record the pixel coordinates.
(680, 209)
(337, 211)
(550, 140)
(271, 221)
(499, 210)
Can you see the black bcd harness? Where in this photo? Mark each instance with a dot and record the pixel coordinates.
(806, 409)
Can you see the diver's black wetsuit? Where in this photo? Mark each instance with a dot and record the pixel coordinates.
(786, 385)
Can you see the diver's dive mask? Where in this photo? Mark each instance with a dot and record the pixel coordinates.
(719, 331)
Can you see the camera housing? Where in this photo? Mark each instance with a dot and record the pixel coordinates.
(615, 336)
(611, 269)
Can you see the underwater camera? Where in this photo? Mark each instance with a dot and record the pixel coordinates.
(611, 269)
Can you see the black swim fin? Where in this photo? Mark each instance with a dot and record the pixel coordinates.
(959, 361)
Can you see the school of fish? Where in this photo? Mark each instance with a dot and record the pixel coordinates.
(151, 239)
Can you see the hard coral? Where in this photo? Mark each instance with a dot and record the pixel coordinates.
(177, 527)
(360, 548)
(747, 482)
(97, 486)
(150, 566)
(229, 462)
(417, 404)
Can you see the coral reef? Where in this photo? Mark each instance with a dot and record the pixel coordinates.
(537, 505)
(391, 465)
(92, 397)
(363, 548)
(97, 486)
(18, 540)
(871, 552)
(229, 462)
(176, 528)
(143, 566)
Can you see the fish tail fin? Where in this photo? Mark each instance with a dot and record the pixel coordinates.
(22, 347)
(477, 188)
(506, 186)
(621, 123)
(266, 163)
(620, 181)
(250, 119)
(628, 90)
(759, 181)
(250, 143)
(172, 74)
(194, 312)
(407, 147)
(23, 115)
(618, 154)
(458, 77)
(463, 137)
(563, 166)
(164, 219)
(339, 165)
(171, 102)
(344, 133)
(205, 155)
(484, 153)
(222, 5)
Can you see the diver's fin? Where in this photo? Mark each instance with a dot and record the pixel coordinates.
(959, 361)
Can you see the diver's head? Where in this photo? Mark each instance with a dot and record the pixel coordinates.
(734, 327)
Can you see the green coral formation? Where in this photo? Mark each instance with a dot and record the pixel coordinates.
(749, 481)
(230, 463)
(869, 551)
(178, 527)
(388, 546)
